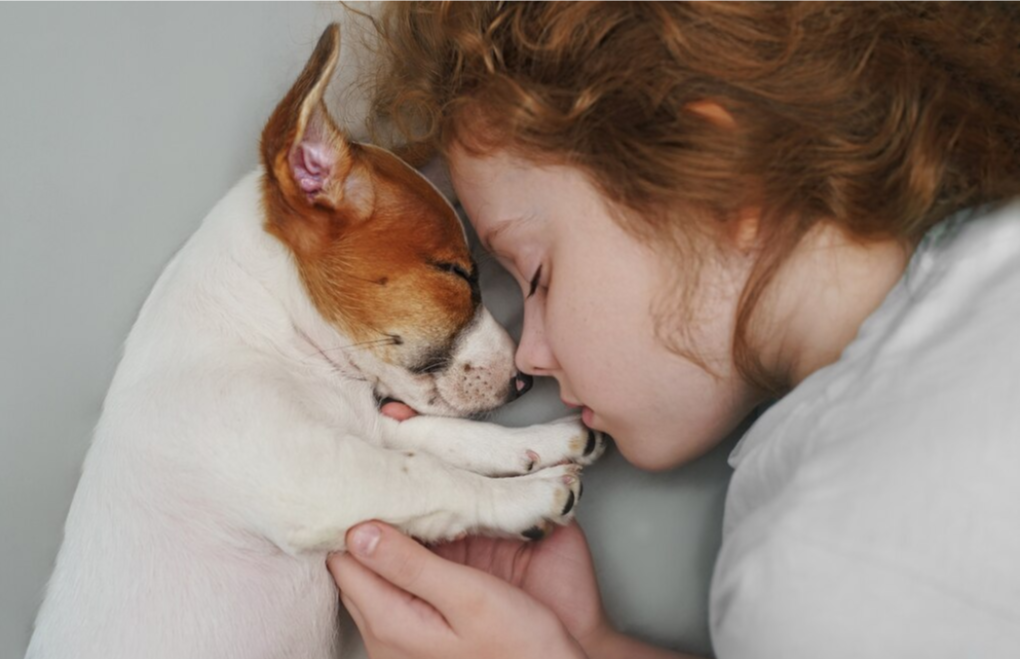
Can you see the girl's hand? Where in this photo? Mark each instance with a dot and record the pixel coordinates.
(409, 602)
(557, 571)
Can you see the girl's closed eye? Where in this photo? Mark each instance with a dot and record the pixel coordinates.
(534, 282)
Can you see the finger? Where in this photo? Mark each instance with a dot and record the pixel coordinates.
(479, 552)
(355, 612)
(398, 411)
(455, 550)
(413, 568)
(379, 607)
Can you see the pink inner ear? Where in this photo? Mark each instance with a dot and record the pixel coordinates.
(311, 163)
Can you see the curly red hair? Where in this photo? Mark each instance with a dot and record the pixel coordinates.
(881, 117)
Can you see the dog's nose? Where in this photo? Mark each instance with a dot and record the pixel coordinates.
(520, 384)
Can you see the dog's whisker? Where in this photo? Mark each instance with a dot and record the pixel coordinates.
(435, 365)
(365, 344)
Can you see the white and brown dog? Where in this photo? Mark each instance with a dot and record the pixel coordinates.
(241, 435)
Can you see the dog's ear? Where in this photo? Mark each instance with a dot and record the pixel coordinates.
(308, 159)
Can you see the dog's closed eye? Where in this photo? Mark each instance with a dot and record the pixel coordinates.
(453, 268)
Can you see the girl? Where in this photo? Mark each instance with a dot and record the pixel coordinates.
(710, 206)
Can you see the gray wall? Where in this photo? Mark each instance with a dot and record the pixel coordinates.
(120, 126)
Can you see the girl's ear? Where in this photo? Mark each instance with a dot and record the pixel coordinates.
(713, 112)
(744, 231)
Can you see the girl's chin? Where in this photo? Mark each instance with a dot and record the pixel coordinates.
(644, 453)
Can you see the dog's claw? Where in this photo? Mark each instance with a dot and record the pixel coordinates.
(533, 460)
(569, 505)
(534, 533)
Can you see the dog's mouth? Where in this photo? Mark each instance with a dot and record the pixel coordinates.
(400, 410)
(403, 398)
(461, 397)
(396, 409)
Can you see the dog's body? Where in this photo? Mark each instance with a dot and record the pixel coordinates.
(241, 435)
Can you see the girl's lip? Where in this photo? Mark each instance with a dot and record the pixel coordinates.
(571, 405)
(586, 416)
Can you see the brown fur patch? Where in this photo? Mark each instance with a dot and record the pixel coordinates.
(371, 244)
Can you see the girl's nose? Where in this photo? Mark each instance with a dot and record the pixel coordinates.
(534, 355)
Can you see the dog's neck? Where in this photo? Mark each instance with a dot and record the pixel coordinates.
(286, 318)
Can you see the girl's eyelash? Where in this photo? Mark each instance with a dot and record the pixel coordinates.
(534, 281)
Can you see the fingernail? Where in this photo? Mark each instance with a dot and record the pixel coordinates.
(364, 539)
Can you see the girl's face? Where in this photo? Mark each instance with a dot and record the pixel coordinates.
(590, 294)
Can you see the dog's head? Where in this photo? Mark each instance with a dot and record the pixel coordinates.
(383, 257)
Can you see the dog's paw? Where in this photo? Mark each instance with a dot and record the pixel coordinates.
(588, 446)
(528, 506)
(566, 440)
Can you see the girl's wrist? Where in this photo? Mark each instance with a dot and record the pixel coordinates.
(600, 642)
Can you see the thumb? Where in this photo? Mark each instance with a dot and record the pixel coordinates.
(406, 564)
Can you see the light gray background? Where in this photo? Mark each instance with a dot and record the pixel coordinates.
(120, 126)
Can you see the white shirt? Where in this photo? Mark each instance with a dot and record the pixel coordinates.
(875, 510)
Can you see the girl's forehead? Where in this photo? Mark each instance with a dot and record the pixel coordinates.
(483, 169)
(492, 188)
(509, 198)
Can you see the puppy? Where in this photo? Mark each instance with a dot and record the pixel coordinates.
(241, 435)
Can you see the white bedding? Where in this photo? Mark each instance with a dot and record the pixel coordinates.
(875, 511)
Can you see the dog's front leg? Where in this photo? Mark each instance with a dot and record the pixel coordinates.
(307, 500)
(490, 449)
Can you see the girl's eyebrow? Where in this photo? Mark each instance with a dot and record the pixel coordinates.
(501, 227)
(492, 235)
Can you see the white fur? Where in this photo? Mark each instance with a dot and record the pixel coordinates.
(238, 443)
